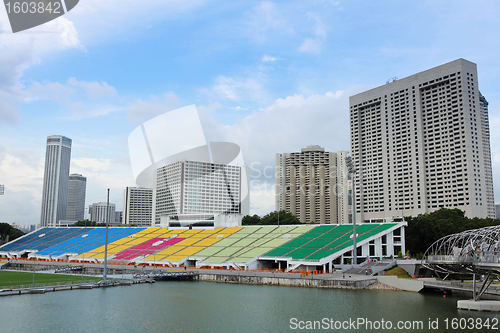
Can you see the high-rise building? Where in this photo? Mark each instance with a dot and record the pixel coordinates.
(191, 187)
(312, 185)
(118, 217)
(55, 180)
(2, 189)
(422, 143)
(76, 197)
(97, 212)
(138, 206)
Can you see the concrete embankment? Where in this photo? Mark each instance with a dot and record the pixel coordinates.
(401, 284)
(316, 282)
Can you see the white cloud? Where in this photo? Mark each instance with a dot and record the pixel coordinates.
(103, 173)
(311, 46)
(20, 51)
(22, 175)
(72, 96)
(14, 60)
(8, 109)
(237, 89)
(94, 89)
(314, 45)
(49, 90)
(266, 18)
(287, 125)
(238, 108)
(82, 111)
(67, 36)
(99, 21)
(268, 58)
(141, 110)
(61, 92)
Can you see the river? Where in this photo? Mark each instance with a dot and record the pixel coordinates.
(216, 307)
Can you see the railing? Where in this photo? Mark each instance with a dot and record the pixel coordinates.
(487, 257)
(478, 257)
(68, 269)
(458, 259)
(152, 275)
(48, 284)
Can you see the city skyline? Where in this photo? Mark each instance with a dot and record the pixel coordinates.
(267, 76)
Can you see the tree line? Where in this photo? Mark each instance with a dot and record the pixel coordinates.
(8, 233)
(271, 219)
(422, 231)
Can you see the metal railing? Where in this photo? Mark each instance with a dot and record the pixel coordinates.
(47, 284)
(478, 257)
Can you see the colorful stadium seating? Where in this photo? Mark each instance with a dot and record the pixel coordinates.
(219, 246)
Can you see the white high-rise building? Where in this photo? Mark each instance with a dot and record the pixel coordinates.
(313, 185)
(138, 206)
(422, 143)
(192, 187)
(97, 212)
(55, 180)
(76, 197)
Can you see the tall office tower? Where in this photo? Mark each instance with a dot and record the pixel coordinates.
(138, 206)
(76, 197)
(55, 180)
(422, 143)
(97, 212)
(191, 187)
(2, 189)
(488, 172)
(312, 185)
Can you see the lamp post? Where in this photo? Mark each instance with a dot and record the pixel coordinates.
(33, 273)
(352, 171)
(106, 243)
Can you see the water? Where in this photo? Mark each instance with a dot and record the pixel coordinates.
(215, 307)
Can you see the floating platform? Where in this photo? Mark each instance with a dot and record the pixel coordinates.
(492, 306)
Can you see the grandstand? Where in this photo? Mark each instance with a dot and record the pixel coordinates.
(289, 247)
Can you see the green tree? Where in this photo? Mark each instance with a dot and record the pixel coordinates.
(88, 223)
(251, 220)
(425, 229)
(84, 223)
(9, 233)
(284, 218)
(271, 219)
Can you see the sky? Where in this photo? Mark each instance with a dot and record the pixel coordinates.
(272, 77)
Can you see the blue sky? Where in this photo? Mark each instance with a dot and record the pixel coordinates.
(269, 76)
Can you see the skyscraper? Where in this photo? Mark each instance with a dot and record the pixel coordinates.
(55, 180)
(97, 212)
(422, 143)
(192, 187)
(138, 206)
(76, 197)
(312, 185)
